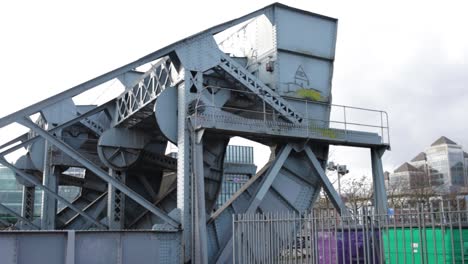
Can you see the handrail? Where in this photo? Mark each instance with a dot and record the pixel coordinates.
(271, 115)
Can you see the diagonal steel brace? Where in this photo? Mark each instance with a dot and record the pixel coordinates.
(98, 171)
(38, 184)
(26, 221)
(327, 185)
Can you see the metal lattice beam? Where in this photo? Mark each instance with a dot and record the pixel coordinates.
(131, 104)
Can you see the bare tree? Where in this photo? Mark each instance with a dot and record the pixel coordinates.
(397, 191)
(357, 192)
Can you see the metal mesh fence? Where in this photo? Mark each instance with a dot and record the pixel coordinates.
(419, 234)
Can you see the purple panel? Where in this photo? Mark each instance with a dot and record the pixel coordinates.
(326, 247)
(358, 246)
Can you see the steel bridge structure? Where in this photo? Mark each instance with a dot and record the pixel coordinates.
(265, 76)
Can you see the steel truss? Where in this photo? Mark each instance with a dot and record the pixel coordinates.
(179, 195)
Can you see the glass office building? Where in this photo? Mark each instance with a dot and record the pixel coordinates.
(239, 167)
(446, 163)
(11, 192)
(444, 166)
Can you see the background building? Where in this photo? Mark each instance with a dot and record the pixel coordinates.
(239, 167)
(443, 167)
(11, 192)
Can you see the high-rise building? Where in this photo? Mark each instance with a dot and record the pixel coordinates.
(407, 177)
(11, 192)
(239, 167)
(443, 166)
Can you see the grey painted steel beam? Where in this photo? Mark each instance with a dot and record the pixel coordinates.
(327, 185)
(27, 202)
(378, 181)
(49, 179)
(267, 181)
(37, 183)
(119, 71)
(269, 178)
(57, 128)
(25, 221)
(116, 202)
(99, 172)
(21, 138)
(70, 251)
(183, 169)
(147, 185)
(87, 247)
(199, 232)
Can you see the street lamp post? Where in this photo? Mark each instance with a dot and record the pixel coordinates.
(340, 171)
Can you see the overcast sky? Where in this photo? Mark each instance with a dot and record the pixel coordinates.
(407, 58)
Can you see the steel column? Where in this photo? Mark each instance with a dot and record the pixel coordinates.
(183, 170)
(199, 234)
(99, 172)
(70, 251)
(116, 202)
(27, 203)
(49, 179)
(378, 180)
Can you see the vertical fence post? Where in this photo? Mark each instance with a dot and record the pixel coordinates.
(314, 237)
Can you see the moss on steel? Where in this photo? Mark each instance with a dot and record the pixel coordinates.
(309, 94)
(324, 132)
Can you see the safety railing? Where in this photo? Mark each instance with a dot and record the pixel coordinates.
(321, 119)
(421, 235)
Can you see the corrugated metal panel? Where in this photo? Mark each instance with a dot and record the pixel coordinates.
(239, 154)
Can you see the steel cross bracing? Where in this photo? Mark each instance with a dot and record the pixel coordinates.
(252, 83)
(98, 171)
(33, 180)
(288, 183)
(136, 103)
